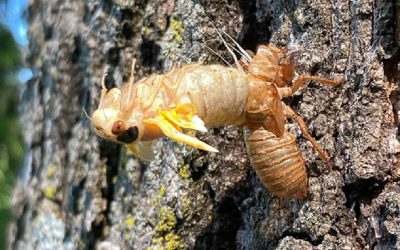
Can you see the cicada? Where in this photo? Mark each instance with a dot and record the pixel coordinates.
(192, 97)
(197, 97)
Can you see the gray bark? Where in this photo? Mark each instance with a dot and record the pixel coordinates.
(77, 191)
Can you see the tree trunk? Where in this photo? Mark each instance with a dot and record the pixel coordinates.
(77, 191)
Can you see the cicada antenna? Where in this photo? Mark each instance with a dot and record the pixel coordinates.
(103, 82)
(86, 114)
(127, 103)
(103, 89)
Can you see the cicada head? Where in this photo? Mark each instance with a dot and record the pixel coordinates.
(112, 122)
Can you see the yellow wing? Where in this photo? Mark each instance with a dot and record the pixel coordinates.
(184, 116)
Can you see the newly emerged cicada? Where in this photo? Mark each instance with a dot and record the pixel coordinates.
(193, 97)
(197, 97)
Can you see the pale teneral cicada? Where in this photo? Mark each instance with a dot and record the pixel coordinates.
(196, 97)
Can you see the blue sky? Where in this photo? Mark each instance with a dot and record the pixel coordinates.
(12, 15)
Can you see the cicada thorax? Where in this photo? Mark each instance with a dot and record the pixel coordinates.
(269, 69)
(272, 64)
(264, 107)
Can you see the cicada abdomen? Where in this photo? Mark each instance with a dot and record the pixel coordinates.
(278, 162)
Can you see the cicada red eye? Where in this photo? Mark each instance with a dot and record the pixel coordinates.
(118, 127)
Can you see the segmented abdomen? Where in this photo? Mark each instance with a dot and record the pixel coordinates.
(278, 162)
(219, 93)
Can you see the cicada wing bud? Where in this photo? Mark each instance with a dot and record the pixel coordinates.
(143, 150)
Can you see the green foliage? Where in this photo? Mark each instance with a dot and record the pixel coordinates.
(11, 146)
(10, 59)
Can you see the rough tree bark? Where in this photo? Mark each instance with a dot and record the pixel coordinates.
(79, 192)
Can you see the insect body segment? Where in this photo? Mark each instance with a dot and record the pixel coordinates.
(271, 64)
(269, 69)
(278, 162)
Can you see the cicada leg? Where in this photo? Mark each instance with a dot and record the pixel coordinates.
(303, 79)
(303, 127)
